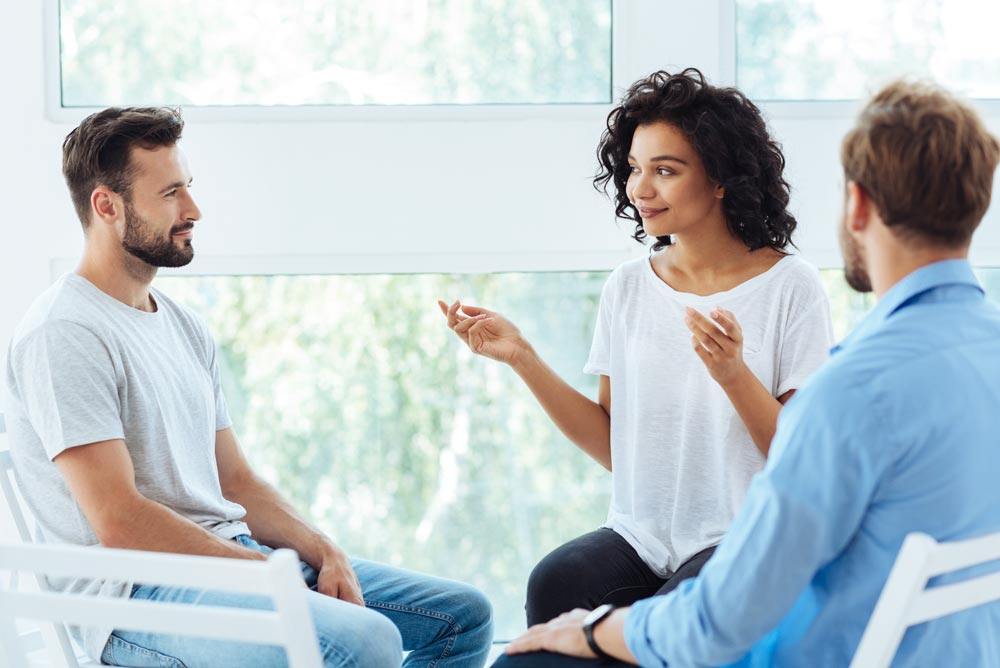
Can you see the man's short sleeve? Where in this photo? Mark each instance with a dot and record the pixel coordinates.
(222, 419)
(66, 379)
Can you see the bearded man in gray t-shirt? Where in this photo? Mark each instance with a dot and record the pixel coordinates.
(120, 435)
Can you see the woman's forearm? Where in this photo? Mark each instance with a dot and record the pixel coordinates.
(582, 420)
(756, 406)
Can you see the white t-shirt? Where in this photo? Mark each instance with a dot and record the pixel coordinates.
(82, 368)
(682, 458)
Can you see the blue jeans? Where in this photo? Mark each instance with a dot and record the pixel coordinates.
(443, 624)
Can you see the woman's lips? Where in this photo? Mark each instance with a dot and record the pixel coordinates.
(648, 212)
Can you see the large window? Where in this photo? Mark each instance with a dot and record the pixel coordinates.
(350, 394)
(844, 49)
(348, 52)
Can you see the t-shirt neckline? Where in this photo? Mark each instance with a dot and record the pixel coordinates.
(735, 291)
(124, 308)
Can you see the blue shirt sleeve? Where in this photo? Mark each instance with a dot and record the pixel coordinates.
(800, 512)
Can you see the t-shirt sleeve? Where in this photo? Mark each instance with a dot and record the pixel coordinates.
(66, 378)
(807, 341)
(222, 419)
(599, 362)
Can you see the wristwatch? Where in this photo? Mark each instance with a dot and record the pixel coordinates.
(596, 616)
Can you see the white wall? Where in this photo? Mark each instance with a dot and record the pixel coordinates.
(404, 194)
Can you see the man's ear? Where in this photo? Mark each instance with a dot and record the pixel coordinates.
(859, 208)
(106, 205)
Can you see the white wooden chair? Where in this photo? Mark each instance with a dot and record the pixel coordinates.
(52, 637)
(906, 600)
(289, 625)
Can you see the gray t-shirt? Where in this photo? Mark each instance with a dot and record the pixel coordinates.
(83, 367)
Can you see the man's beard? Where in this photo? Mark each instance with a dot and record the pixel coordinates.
(141, 243)
(854, 261)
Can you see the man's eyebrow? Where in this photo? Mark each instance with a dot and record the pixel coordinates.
(175, 185)
(661, 158)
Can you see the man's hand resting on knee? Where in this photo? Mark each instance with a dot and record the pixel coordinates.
(337, 578)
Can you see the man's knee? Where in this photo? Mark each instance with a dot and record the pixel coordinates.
(361, 639)
(475, 612)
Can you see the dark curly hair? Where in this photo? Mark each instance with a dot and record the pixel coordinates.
(730, 136)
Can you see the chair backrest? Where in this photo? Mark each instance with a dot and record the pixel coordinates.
(906, 600)
(60, 647)
(10, 491)
(288, 625)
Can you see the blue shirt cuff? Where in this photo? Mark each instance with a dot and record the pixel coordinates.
(637, 635)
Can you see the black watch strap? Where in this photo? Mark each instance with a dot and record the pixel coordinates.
(590, 623)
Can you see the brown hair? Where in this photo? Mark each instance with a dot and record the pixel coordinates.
(926, 160)
(98, 151)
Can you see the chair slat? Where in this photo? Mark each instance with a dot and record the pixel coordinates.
(257, 626)
(146, 567)
(945, 600)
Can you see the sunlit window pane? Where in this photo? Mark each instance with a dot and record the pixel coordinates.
(353, 397)
(347, 52)
(845, 49)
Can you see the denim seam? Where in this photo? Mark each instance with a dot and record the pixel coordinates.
(343, 659)
(440, 616)
(125, 645)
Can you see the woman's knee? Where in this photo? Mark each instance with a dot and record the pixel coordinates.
(550, 587)
(575, 575)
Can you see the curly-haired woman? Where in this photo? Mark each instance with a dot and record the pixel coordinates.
(697, 346)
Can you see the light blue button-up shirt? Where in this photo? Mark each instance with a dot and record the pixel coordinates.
(899, 432)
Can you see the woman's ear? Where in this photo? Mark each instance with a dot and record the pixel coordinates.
(720, 192)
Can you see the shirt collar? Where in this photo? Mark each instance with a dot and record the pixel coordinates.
(937, 274)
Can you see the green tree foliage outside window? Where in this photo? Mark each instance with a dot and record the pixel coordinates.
(824, 50)
(352, 396)
(348, 52)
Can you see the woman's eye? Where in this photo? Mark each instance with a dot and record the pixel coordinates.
(632, 169)
(663, 171)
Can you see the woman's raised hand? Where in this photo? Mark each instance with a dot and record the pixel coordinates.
(487, 333)
(719, 343)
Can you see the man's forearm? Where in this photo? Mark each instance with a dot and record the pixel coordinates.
(274, 521)
(146, 525)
